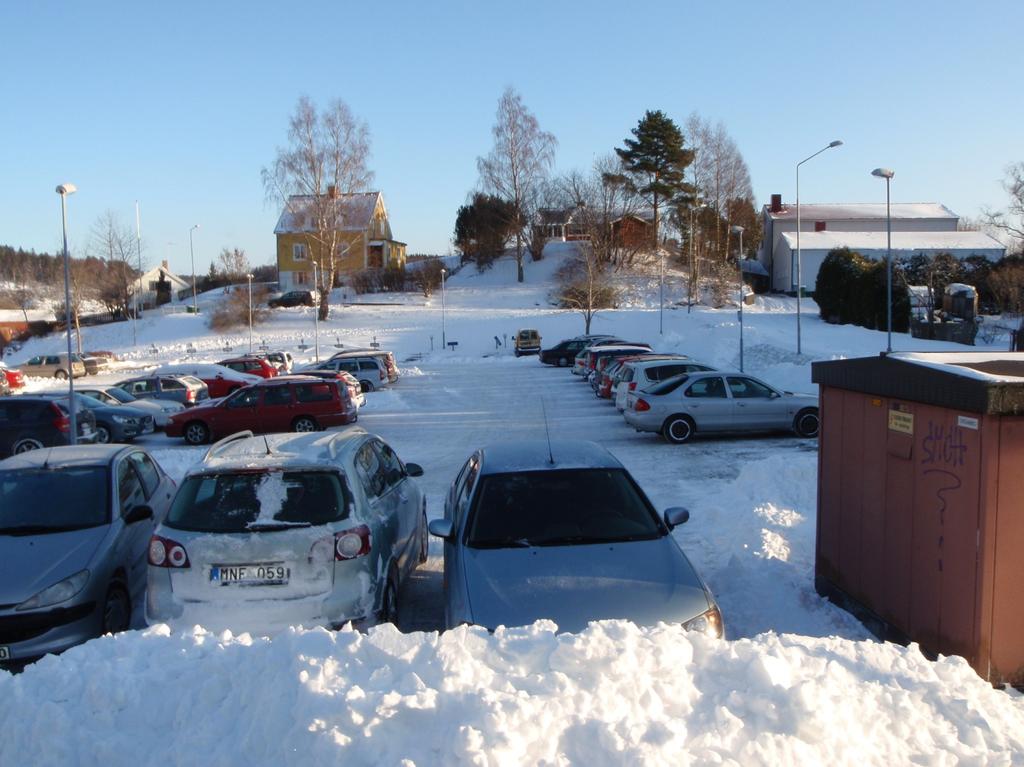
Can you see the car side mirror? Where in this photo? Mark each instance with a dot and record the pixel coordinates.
(414, 469)
(138, 514)
(441, 528)
(676, 516)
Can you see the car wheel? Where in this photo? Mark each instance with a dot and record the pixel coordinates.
(61, 374)
(304, 424)
(563, 362)
(424, 539)
(678, 429)
(806, 423)
(196, 433)
(516, 352)
(389, 604)
(117, 611)
(24, 445)
(102, 434)
(366, 385)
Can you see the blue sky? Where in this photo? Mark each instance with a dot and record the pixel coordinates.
(180, 105)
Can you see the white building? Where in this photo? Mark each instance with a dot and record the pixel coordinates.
(927, 228)
(151, 279)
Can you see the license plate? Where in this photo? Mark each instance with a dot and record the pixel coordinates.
(269, 574)
(5, 653)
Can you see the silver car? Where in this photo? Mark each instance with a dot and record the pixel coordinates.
(160, 409)
(289, 529)
(562, 531)
(71, 568)
(680, 407)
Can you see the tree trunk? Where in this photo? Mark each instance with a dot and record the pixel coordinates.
(519, 257)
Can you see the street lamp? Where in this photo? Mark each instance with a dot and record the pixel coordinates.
(249, 277)
(799, 275)
(192, 252)
(739, 263)
(887, 174)
(64, 190)
(316, 313)
(138, 250)
(443, 339)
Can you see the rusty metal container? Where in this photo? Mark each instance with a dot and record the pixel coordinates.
(921, 501)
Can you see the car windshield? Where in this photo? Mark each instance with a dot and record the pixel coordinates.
(258, 500)
(76, 498)
(668, 385)
(560, 508)
(119, 394)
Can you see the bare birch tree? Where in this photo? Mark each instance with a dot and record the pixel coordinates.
(518, 164)
(326, 157)
(1011, 221)
(114, 242)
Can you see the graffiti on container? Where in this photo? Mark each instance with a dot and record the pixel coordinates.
(952, 483)
(943, 444)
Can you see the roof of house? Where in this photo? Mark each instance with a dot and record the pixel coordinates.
(355, 211)
(861, 241)
(868, 210)
(154, 273)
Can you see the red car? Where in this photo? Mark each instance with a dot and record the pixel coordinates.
(298, 404)
(255, 366)
(15, 378)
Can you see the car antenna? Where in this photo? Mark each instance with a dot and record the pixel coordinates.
(547, 433)
(267, 443)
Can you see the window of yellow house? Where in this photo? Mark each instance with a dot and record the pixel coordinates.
(302, 278)
(299, 251)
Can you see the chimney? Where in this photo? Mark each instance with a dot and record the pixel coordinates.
(164, 265)
(776, 203)
(332, 192)
(819, 226)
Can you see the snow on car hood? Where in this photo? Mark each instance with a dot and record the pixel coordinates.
(643, 581)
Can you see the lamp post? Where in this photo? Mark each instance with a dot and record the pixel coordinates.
(799, 275)
(192, 252)
(887, 174)
(739, 263)
(443, 339)
(138, 250)
(249, 277)
(316, 313)
(64, 190)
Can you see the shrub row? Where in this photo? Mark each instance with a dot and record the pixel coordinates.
(851, 289)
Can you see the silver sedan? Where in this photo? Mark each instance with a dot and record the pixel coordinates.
(685, 405)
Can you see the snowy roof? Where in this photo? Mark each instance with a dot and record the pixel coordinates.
(154, 274)
(534, 455)
(827, 240)
(1001, 367)
(868, 210)
(355, 211)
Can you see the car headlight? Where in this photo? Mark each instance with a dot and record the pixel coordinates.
(123, 419)
(58, 592)
(708, 623)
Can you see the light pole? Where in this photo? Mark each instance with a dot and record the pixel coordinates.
(887, 174)
(739, 263)
(192, 252)
(64, 190)
(443, 339)
(316, 314)
(661, 298)
(799, 275)
(249, 277)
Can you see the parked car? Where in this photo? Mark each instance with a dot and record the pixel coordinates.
(219, 380)
(53, 366)
(253, 365)
(641, 373)
(564, 352)
(292, 298)
(74, 564)
(386, 357)
(306, 529)
(94, 365)
(15, 378)
(297, 404)
(368, 370)
(30, 423)
(583, 363)
(527, 341)
(604, 354)
(685, 405)
(561, 530)
(160, 409)
(281, 360)
(183, 389)
(354, 389)
(114, 423)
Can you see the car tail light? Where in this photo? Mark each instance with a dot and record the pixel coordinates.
(641, 405)
(190, 395)
(163, 552)
(352, 543)
(62, 422)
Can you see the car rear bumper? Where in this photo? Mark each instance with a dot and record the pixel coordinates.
(642, 421)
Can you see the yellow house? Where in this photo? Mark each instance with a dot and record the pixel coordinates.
(364, 236)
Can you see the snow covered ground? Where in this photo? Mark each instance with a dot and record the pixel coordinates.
(797, 682)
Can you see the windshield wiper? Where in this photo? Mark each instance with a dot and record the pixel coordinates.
(270, 526)
(504, 543)
(41, 529)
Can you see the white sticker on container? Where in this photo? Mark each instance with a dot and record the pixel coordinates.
(965, 422)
